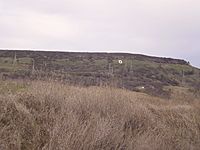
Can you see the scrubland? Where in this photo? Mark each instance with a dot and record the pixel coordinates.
(55, 116)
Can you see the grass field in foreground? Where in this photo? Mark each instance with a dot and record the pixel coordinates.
(50, 115)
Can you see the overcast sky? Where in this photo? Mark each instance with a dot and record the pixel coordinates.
(168, 28)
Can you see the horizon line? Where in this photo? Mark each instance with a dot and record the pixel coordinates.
(100, 51)
(93, 51)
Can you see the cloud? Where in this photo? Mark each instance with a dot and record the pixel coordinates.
(154, 27)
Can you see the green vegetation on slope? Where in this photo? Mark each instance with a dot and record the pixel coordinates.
(89, 69)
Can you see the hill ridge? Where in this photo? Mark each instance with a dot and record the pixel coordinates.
(125, 54)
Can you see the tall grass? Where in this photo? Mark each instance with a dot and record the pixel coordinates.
(54, 116)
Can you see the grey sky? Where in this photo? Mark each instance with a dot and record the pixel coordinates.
(168, 28)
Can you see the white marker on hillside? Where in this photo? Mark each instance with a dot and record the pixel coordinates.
(120, 61)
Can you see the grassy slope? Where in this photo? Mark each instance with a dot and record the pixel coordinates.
(50, 115)
(94, 69)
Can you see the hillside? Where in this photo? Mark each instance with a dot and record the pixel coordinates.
(136, 73)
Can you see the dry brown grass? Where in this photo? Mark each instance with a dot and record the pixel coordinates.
(54, 116)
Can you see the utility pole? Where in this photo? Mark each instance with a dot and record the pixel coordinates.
(14, 60)
(183, 76)
(110, 68)
(33, 65)
(131, 67)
